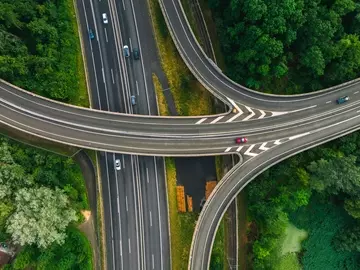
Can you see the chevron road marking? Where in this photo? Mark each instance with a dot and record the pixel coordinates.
(240, 147)
(234, 104)
(277, 142)
(217, 119)
(235, 116)
(250, 115)
(228, 149)
(262, 147)
(248, 153)
(262, 114)
(298, 136)
(200, 121)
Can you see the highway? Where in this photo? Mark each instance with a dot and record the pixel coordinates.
(135, 195)
(276, 127)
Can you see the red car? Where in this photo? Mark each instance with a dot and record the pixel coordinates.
(240, 140)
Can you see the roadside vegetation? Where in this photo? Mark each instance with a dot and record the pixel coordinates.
(49, 190)
(182, 225)
(40, 49)
(289, 47)
(161, 101)
(190, 97)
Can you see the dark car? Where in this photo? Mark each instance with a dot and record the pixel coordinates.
(342, 99)
(91, 34)
(126, 51)
(136, 53)
(241, 140)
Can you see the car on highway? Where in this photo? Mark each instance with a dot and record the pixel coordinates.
(105, 18)
(133, 100)
(342, 99)
(91, 34)
(117, 165)
(126, 51)
(241, 140)
(136, 53)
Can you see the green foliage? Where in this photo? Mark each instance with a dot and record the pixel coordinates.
(289, 46)
(348, 239)
(40, 218)
(75, 253)
(323, 220)
(39, 47)
(217, 254)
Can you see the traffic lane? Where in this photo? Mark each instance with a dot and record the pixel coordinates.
(132, 214)
(156, 146)
(170, 145)
(91, 51)
(162, 204)
(110, 258)
(151, 213)
(241, 175)
(210, 76)
(43, 111)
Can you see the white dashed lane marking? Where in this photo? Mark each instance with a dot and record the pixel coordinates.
(327, 102)
(356, 92)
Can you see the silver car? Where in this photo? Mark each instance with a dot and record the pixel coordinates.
(117, 165)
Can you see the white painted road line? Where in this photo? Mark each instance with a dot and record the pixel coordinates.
(126, 203)
(123, 1)
(129, 245)
(137, 87)
(356, 92)
(118, 204)
(262, 114)
(120, 248)
(250, 115)
(235, 116)
(106, 38)
(240, 147)
(130, 45)
(150, 219)
(228, 149)
(123, 159)
(262, 147)
(112, 76)
(147, 175)
(234, 104)
(200, 121)
(277, 142)
(217, 119)
(298, 136)
(153, 261)
(327, 102)
(278, 113)
(248, 151)
(103, 74)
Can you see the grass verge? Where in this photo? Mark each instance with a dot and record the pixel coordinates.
(182, 225)
(83, 96)
(190, 97)
(242, 230)
(163, 107)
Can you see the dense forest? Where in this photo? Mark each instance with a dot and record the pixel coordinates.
(291, 46)
(329, 175)
(39, 48)
(41, 195)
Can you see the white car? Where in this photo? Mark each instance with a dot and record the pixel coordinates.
(105, 19)
(117, 165)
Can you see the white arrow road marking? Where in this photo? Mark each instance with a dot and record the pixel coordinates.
(262, 147)
(250, 115)
(200, 121)
(228, 149)
(278, 113)
(217, 119)
(277, 142)
(240, 147)
(298, 136)
(248, 151)
(262, 114)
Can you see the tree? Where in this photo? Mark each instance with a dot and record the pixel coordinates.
(348, 239)
(352, 206)
(41, 217)
(339, 174)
